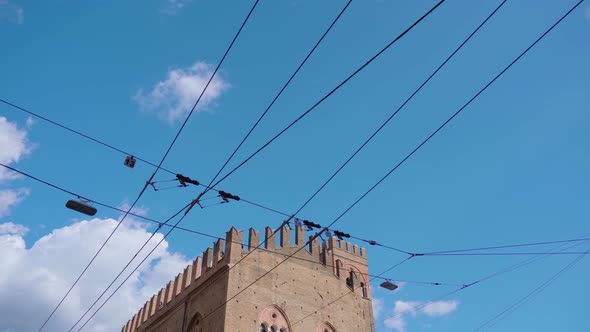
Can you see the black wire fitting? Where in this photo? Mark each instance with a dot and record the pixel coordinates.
(227, 196)
(185, 179)
(372, 242)
(311, 225)
(341, 235)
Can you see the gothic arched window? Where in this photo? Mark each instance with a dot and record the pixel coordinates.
(196, 323)
(326, 327)
(274, 320)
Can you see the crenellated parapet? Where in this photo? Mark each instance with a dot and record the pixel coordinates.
(333, 253)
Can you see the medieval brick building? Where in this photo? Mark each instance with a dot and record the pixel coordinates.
(322, 288)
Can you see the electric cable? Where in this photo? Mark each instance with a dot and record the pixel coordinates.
(165, 224)
(505, 246)
(468, 251)
(160, 224)
(362, 146)
(132, 272)
(158, 166)
(419, 146)
(511, 253)
(92, 200)
(129, 263)
(349, 292)
(216, 237)
(407, 157)
(79, 133)
(403, 160)
(520, 302)
(321, 100)
(294, 214)
(280, 92)
(128, 153)
(460, 287)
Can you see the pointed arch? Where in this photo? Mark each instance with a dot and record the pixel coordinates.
(196, 323)
(273, 316)
(326, 327)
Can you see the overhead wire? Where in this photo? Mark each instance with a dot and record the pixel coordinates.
(301, 207)
(313, 312)
(283, 88)
(453, 116)
(129, 263)
(142, 191)
(160, 224)
(383, 125)
(79, 133)
(412, 153)
(357, 71)
(95, 201)
(326, 96)
(128, 276)
(469, 251)
(508, 269)
(271, 251)
(505, 246)
(520, 302)
(416, 91)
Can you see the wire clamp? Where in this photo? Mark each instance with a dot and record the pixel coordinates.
(340, 235)
(227, 196)
(311, 225)
(185, 179)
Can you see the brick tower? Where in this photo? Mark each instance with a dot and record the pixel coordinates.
(323, 288)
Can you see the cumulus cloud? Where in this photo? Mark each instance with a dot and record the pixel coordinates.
(397, 323)
(10, 198)
(10, 12)
(397, 320)
(9, 228)
(14, 145)
(173, 98)
(440, 308)
(46, 269)
(377, 307)
(171, 7)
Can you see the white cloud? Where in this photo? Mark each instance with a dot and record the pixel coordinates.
(14, 145)
(46, 270)
(10, 12)
(171, 7)
(9, 228)
(377, 307)
(173, 98)
(440, 308)
(30, 122)
(10, 198)
(397, 321)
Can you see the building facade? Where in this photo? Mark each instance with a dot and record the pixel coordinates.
(322, 288)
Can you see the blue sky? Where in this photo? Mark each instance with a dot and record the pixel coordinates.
(512, 168)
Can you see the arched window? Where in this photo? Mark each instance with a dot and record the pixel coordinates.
(363, 290)
(273, 319)
(196, 323)
(263, 328)
(326, 327)
(350, 279)
(338, 267)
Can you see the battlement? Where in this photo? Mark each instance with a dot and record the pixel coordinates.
(228, 251)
